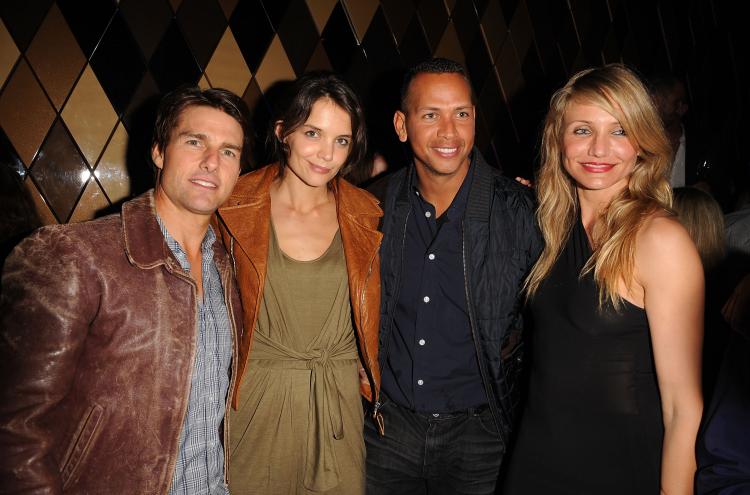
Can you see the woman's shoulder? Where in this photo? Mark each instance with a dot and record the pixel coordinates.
(663, 244)
(662, 230)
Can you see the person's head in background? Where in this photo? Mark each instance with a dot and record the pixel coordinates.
(670, 96)
(701, 215)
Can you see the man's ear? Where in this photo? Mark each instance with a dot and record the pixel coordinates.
(399, 124)
(157, 156)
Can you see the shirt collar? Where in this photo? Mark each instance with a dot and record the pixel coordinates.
(179, 253)
(458, 205)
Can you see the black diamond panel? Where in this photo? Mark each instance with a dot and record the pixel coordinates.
(399, 14)
(147, 20)
(467, 23)
(434, 18)
(380, 47)
(22, 18)
(58, 171)
(202, 23)
(414, 47)
(252, 30)
(118, 63)
(298, 35)
(88, 20)
(339, 40)
(173, 64)
(276, 10)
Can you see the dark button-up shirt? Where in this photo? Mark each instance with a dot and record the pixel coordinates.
(432, 364)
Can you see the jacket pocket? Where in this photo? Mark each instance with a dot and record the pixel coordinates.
(80, 444)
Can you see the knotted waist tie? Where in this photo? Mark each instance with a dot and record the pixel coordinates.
(324, 416)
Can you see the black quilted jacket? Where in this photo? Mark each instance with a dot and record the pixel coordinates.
(501, 242)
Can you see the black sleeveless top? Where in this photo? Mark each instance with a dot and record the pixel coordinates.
(592, 421)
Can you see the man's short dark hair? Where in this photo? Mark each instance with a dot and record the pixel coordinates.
(435, 65)
(664, 82)
(306, 90)
(174, 103)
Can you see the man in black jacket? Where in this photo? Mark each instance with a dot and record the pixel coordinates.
(458, 240)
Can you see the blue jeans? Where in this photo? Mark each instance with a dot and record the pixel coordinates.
(457, 453)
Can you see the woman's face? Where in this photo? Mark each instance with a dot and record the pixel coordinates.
(596, 152)
(319, 147)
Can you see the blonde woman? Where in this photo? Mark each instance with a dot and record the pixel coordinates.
(617, 301)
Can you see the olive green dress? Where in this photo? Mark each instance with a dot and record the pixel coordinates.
(298, 427)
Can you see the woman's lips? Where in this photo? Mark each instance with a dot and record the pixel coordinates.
(597, 168)
(319, 169)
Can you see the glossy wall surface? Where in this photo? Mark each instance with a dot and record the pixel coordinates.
(79, 79)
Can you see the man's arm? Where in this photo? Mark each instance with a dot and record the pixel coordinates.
(42, 329)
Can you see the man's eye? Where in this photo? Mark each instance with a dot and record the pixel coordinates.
(429, 116)
(192, 142)
(464, 114)
(230, 153)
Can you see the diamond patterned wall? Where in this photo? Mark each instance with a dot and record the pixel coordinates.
(79, 78)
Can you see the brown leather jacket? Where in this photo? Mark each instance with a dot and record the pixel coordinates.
(244, 223)
(97, 343)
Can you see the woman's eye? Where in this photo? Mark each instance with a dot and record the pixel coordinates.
(580, 131)
(343, 141)
(619, 132)
(311, 134)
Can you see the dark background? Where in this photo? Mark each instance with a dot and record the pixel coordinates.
(79, 79)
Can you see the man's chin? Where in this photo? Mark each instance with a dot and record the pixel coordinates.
(444, 167)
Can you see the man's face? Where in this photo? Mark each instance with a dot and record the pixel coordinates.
(438, 123)
(201, 162)
(671, 104)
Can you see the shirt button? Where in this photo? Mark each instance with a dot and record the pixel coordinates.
(431, 256)
(422, 342)
(427, 214)
(420, 382)
(426, 299)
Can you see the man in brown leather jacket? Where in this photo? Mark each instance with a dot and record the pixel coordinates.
(117, 335)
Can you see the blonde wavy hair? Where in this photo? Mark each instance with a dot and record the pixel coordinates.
(618, 91)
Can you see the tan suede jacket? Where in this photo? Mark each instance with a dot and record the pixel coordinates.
(244, 223)
(97, 342)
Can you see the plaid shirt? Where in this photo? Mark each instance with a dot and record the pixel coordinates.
(200, 459)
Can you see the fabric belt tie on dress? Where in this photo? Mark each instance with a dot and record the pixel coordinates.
(324, 417)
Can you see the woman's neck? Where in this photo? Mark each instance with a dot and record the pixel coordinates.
(297, 195)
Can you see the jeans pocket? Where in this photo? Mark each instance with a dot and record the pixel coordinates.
(486, 422)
